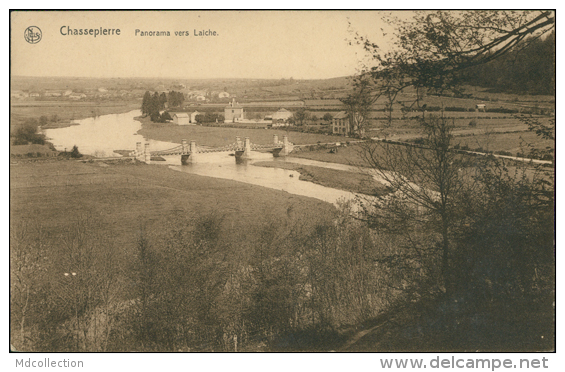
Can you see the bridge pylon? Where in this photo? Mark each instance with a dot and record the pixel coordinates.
(147, 154)
(285, 149)
(287, 146)
(139, 151)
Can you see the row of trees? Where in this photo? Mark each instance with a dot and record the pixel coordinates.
(209, 117)
(302, 115)
(153, 104)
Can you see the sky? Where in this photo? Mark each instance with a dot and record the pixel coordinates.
(248, 44)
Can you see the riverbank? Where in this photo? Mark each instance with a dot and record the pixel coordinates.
(355, 182)
(65, 112)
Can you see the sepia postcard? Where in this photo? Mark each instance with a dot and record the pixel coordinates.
(283, 181)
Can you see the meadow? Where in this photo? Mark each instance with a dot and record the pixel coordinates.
(221, 136)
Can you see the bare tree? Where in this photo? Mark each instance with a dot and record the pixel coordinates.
(424, 183)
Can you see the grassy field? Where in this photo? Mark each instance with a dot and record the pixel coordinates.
(218, 136)
(345, 155)
(124, 195)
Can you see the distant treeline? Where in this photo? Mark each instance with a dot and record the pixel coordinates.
(528, 68)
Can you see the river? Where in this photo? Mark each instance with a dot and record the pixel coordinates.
(102, 135)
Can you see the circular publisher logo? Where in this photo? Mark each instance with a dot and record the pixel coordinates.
(32, 34)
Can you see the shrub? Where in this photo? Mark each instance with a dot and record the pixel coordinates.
(27, 133)
(75, 153)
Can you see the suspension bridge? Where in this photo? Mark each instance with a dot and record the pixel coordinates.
(189, 151)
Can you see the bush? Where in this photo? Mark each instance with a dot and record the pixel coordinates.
(27, 133)
(75, 153)
(502, 152)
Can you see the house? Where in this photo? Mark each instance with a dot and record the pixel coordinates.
(181, 118)
(281, 115)
(481, 106)
(233, 112)
(52, 94)
(340, 123)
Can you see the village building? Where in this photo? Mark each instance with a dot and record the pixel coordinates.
(52, 94)
(282, 115)
(481, 107)
(19, 94)
(233, 112)
(181, 118)
(340, 123)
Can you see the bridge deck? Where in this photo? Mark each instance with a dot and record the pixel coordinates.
(179, 150)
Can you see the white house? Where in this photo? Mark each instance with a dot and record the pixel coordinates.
(181, 118)
(233, 112)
